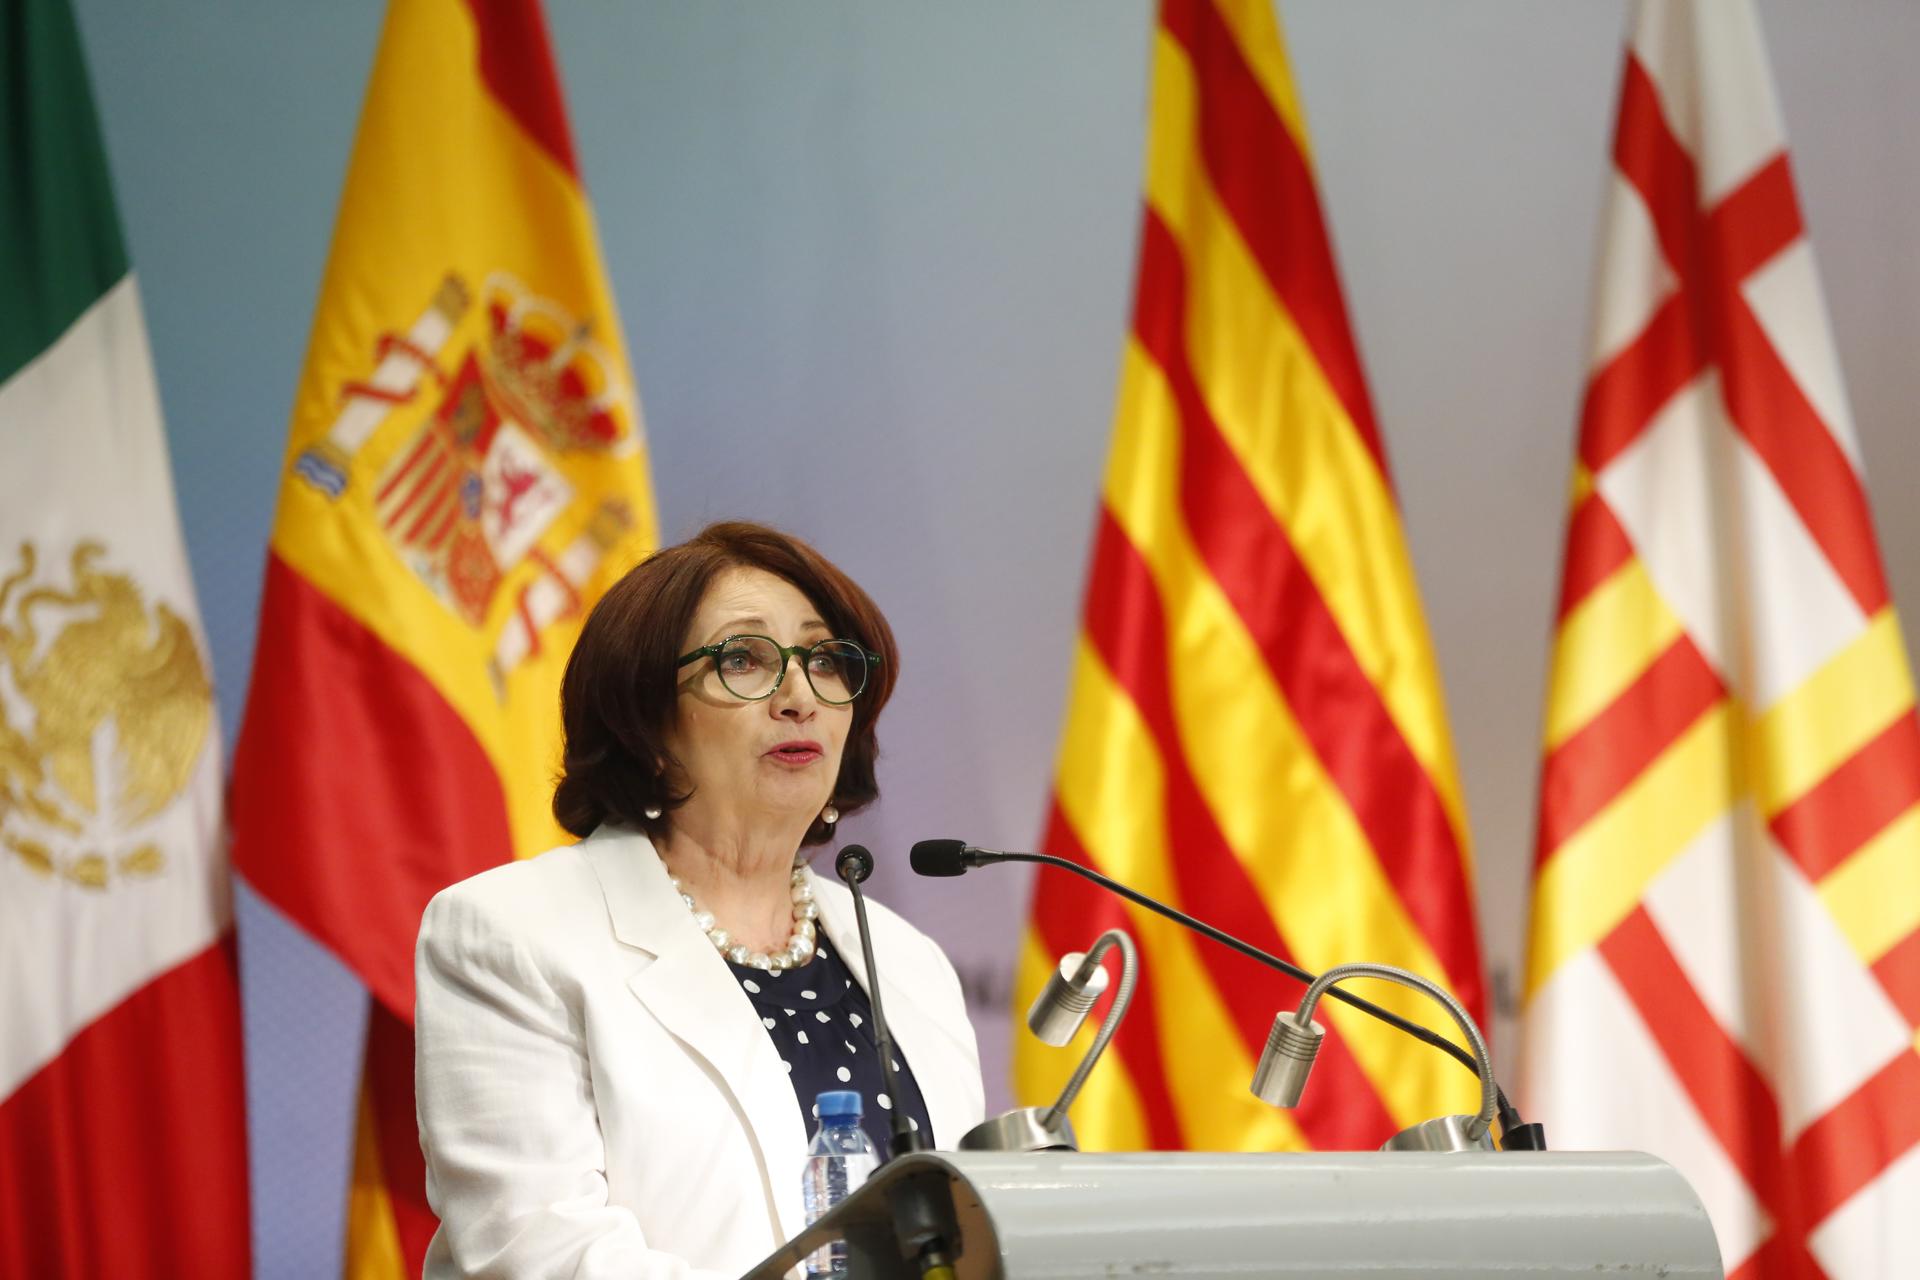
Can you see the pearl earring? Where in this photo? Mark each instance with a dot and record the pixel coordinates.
(653, 812)
(829, 815)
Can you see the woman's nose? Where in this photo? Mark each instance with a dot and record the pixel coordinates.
(794, 698)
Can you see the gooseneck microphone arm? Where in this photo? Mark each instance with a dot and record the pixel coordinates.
(954, 857)
(854, 864)
(1483, 1061)
(1112, 939)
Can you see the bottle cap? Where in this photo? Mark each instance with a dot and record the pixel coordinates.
(838, 1104)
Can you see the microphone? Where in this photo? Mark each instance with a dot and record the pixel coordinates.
(854, 864)
(923, 1222)
(957, 857)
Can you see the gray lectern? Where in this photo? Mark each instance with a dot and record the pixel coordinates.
(1382, 1216)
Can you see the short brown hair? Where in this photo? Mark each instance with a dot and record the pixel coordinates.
(621, 691)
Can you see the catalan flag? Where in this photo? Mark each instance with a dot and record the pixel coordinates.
(123, 1133)
(1724, 961)
(1255, 729)
(464, 475)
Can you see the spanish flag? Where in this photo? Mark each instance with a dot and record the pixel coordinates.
(464, 475)
(1255, 729)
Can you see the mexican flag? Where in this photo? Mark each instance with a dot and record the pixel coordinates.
(122, 1117)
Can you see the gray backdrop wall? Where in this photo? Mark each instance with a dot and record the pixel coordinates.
(892, 244)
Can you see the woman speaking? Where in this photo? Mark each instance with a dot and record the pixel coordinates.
(620, 1041)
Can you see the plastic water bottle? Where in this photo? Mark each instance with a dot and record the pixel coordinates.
(837, 1163)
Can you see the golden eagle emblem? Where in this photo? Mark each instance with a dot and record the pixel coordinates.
(105, 707)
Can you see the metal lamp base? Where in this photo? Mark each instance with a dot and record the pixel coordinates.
(1021, 1130)
(1442, 1133)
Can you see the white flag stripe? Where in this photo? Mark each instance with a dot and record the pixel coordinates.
(1741, 921)
(1727, 118)
(1798, 613)
(1879, 1222)
(1696, 902)
(1635, 279)
(100, 472)
(1785, 297)
(1622, 1095)
(1727, 551)
(1831, 1027)
(1654, 488)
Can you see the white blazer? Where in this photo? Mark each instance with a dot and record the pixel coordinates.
(596, 1094)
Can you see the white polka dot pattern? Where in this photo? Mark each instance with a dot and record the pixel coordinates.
(816, 1063)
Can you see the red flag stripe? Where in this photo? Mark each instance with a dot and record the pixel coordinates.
(438, 535)
(1727, 1090)
(1670, 352)
(1769, 409)
(1731, 1095)
(1623, 397)
(1781, 1256)
(516, 64)
(1602, 758)
(1899, 974)
(1709, 255)
(1751, 224)
(1851, 805)
(1596, 547)
(1854, 1142)
(429, 480)
(405, 469)
(1338, 708)
(1126, 624)
(120, 1161)
(426, 796)
(1069, 913)
(1652, 159)
(437, 510)
(1264, 183)
(1712, 254)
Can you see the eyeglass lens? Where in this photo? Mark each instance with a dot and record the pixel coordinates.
(750, 667)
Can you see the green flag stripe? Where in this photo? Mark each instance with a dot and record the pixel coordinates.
(60, 245)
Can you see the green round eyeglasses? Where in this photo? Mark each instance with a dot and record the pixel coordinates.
(752, 667)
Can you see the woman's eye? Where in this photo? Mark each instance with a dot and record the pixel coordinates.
(736, 661)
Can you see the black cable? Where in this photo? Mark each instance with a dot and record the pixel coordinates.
(1517, 1135)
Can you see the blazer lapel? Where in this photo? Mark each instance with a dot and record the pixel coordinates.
(690, 990)
(931, 1050)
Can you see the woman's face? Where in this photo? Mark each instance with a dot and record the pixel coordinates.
(778, 757)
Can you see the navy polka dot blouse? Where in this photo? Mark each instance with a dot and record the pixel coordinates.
(821, 1023)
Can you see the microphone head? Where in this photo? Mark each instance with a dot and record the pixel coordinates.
(853, 863)
(939, 857)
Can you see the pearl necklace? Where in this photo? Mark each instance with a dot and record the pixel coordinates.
(799, 948)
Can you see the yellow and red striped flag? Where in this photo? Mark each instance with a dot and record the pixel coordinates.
(1255, 729)
(464, 475)
(1724, 961)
